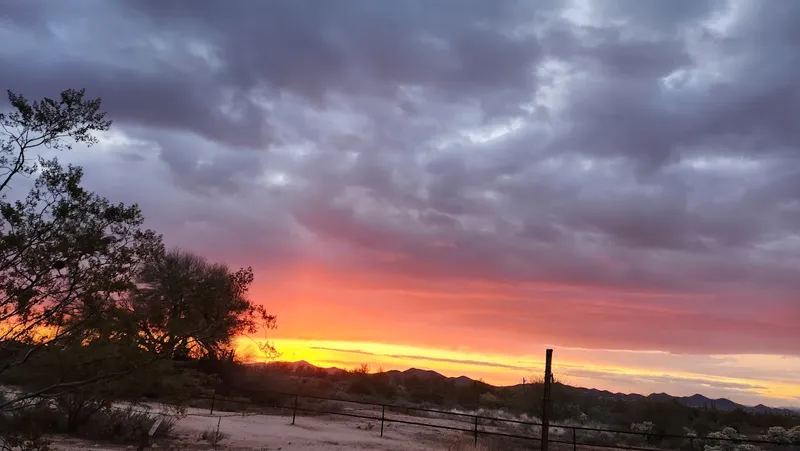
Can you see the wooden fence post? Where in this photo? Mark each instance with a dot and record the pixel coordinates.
(548, 378)
(574, 441)
(383, 415)
(294, 410)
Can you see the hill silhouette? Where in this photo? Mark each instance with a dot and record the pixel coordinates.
(696, 401)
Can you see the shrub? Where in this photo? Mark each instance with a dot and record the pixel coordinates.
(777, 434)
(23, 428)
(36, 417)
(24, 442)
(726, 434)
(645, 427)
(126, 425)
(213, 436)
(794, 434)
(488, 399)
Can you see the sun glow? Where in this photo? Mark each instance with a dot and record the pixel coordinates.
(501, 369)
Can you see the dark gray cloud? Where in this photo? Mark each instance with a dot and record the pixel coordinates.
(609, 146)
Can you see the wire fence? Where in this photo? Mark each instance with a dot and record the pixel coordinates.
(477, 426)
(524, 433)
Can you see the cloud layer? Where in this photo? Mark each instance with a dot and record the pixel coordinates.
(621, 175)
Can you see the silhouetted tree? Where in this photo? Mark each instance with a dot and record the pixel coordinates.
(187, 307)
(47, 123)
(66, 257)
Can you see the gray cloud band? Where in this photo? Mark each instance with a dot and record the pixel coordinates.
(633, 148)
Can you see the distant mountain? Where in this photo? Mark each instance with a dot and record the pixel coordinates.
(401, 376)
(304, 367)
(696, 400)
(423, 374)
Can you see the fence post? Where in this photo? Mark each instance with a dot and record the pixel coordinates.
(294, 410)
(383, 415)
(476, 430)
(548, 377)
(574, 441)
(213, 400)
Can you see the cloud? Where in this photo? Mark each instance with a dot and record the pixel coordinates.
(428, 359)
(642, 154)
(667, 380)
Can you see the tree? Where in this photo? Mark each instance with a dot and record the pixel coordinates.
(66, 259)
(188, 307)
(48, 123)
(66, 256)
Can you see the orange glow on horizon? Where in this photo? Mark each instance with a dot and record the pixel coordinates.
(498, 331)
(496, 369)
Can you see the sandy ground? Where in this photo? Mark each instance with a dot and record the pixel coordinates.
(274, 432)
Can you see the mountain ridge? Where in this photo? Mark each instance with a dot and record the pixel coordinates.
(697, 400)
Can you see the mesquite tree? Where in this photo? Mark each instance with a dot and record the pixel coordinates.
(49, 123)
(187, 307)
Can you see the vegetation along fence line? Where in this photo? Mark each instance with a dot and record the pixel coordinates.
(692, 442)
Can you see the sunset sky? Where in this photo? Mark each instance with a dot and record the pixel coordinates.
(459, 184)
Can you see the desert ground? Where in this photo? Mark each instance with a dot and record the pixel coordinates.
(275, 432)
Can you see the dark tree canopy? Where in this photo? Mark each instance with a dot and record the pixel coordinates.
(188, 307)
(67, 256)
(98, 247)
(92, 307)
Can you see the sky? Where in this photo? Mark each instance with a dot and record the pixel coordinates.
(461, 184)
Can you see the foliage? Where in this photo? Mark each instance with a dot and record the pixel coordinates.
(47, 123)
(187, 307)
(24, 442)
(643, 428)
(92, 308)
(783, 435)
(489, 400)
(66, 256)
(362, 369)
(126, 425)
(119, 425)
(213, 436)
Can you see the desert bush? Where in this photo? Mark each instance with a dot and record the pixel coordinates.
(794, 434)
(488, 400)
(36, 416)
(24, 442)
(23, 428)
(725, 433)
(468, 445)
(645, 427)
(125, 425)
(725, 441)
(214, 436)
(777, 434)
(488, 443)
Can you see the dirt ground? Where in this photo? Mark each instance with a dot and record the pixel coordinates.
(274, 432)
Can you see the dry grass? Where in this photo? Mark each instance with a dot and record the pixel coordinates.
(468, 445)
(487, 444)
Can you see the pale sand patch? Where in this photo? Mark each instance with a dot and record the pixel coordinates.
(275, 432)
